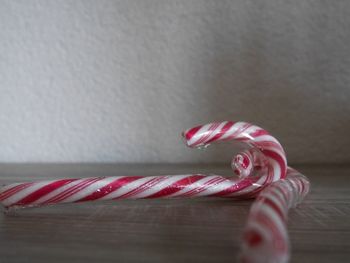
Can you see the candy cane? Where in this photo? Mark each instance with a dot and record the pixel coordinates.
(264, 149)
(262, 166)
(265, 238)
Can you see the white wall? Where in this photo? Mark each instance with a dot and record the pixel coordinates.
(119, 80)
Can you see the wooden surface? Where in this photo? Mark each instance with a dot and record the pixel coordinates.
(197, 230)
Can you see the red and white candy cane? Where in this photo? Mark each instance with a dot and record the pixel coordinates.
(265, 237)
(262, 165)
(265, 151)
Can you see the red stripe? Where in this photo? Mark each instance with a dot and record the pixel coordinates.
(177, 186)
(68, 190)
(197, 188)
(267, 201)
(259, 132)
(43, 191)
(275, 193)
(61, 195)
(294, 185)
(265, 144)
(203, 187)
(109, 188)
(285, 190)
(279, 242)
(245, 127)
(206, 134)
(9, 190)
(234, 188)
(299, 185)
(224, 129)
(190, 133)
(271, 174)
(270, 225)
(141, 188)
(207, 186)
(302, 186)
(251, 193)
(82, 187)
(279, 159)
(239, 132)
(252, 237)
(281, 189)
(14, 190)
(246, 160)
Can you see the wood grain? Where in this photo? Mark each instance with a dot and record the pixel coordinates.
(196, 230)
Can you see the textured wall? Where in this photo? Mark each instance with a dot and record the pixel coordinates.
(119, 80)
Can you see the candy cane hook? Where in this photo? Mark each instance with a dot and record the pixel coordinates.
(265, 152)
(261, 171)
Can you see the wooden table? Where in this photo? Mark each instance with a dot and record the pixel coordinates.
(197, 230)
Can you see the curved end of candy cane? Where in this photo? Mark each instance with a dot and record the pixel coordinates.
(264, 156)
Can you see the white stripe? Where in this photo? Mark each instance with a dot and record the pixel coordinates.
(277, 192)
(294, 196)
(233, 129)
(275, 219)
(216, 188)
(23, 193)
(128, 187)
(276, 150)
(276, 169)
(58, 191)
(160, 186)
(216, 131)
(252, 129)
(91, 189)
(7, 187)
(201, 132)
(269, 195)
(194, 185)
(249, 189)
(267, 138)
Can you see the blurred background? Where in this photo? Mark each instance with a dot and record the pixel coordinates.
(118, 81)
